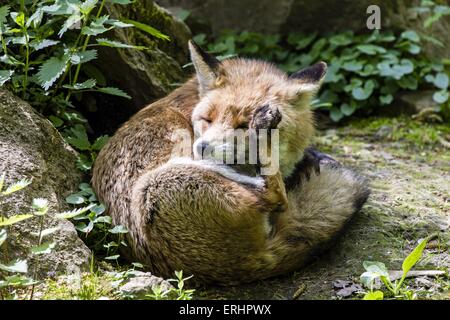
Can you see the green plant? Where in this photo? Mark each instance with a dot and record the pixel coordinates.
(365, 71)
(377, 270)
(433, 10)
(46, 54)
(95, 227)
(173, 293)
(40, 209)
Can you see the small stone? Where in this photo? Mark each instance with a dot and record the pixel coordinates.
(142, 284)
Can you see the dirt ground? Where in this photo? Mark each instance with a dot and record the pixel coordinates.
(409, 173)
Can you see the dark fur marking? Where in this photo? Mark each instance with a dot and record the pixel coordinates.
(210, 60)
(311, 74)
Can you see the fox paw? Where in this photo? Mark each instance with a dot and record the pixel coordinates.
(266, 117)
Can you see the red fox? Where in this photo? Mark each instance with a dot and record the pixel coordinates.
(219, 223)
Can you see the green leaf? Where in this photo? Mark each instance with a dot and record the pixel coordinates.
(100, 142)
(347, 109)
(3, 236)
(20, 266)
(69, 23)
(73, 213)
(441, 80)
(96, 27)
(376, 267)
(146, 28)
(75, 199)
(88, 84)
(118, 229)
(57, 122)
(83, 57)
(43, 248)
(120, 1)
(117, 44)
(413, 257)
(370, 49)
(410, 35)
(374, 295)
(114, 257)
(386, 99)
(441, 96)
(87, 6)
(14, 219)
(41, 44)
(336, 114)
(118, 23)
(40, 205)
(114, 91)
(46, 232)
(5, 75)
(352, 66)
(19, 185)
(51, 70)
(363, 93)
(78, 138)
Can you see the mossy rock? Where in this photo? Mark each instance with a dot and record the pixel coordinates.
(31, 148)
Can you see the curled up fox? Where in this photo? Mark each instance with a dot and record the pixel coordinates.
(227, 223)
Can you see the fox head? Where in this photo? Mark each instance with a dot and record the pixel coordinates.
(234, 92)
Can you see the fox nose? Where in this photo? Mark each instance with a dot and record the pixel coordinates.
(201, 147)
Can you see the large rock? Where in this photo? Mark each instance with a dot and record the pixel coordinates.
(286, 16)
(31, 148)
(145, 75)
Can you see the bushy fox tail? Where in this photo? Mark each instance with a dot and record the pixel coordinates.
(320, 204)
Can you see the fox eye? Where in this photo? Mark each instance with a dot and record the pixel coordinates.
(207, 120)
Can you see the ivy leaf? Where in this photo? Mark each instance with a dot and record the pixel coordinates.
(41, 44)
(336, 114)
(75, 199)
(363, 93)
(441, 96)
(386, 99)
(410, 35)
(82, 227)
(15, 266)
(14, 219)
(370, 49)
(441, 81)
(88, 84)
(117, 44)
(51, 70)
(348, 109)
(114, 91)
(148, 29)
(5, 75)
(43, 248)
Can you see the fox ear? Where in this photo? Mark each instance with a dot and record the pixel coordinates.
(310, 78)
(206, 67)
